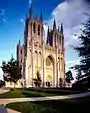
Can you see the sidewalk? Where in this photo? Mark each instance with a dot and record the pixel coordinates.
(11, 100)
(2, 90)
(11, 111)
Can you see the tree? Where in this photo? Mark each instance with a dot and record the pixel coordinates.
(78, 77)
(2, 83)
(69, 77)
(37, 80)
(11, 70)
(83, 51)
(60, 82)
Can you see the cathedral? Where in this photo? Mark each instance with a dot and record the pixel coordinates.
(45, 54)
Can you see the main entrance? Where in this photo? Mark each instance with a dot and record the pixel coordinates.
(49, 69)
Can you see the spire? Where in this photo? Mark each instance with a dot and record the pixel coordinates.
(41, 16)
(61, 27)
(54, 25)
(19, 42)
(31, 12)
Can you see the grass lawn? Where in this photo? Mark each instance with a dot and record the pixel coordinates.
(23, 94)
(81, 105)
(33, 92)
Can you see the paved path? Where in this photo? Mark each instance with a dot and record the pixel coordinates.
(11, 111)
(3, 90)
(11, 100)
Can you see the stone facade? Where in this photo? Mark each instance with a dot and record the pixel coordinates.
(37, 55)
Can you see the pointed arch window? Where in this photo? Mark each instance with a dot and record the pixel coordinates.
(38, 29)
(34, 27)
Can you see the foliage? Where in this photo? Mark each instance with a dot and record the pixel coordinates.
(83, 51)
(11, 70)
(2, 83)
(37, 80)
(69, 77)
(60, 82)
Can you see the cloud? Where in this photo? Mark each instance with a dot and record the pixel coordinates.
(22, 20)
(30, 2)
(2, 12)
(3, 17)
(4, 20)
(73, 62)
(72, 14)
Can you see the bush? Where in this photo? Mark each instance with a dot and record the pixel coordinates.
(79, 86)
(2, 83)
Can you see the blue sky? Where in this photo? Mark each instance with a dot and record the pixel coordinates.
(12, 16)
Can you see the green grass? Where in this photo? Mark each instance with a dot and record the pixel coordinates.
(57, 91)
(81, 105)
(33, 92)
(24, 93)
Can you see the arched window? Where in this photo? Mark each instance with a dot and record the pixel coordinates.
(38, 29)
(34, 27)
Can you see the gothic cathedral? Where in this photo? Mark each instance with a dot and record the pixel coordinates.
(45, 54)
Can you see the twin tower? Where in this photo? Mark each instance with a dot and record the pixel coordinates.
(54, 38)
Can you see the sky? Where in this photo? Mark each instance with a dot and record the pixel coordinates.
(12, 15)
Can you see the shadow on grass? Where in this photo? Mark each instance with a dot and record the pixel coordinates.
(81, 105)
(57, 91)
(27, 94)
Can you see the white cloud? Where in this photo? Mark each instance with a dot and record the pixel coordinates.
(3, 17)
(22, 21)
(30, 2)
(4, 20)
(2, 12)
(72, 14)
(73, 62)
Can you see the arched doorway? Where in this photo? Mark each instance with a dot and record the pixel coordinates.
(49, 69)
